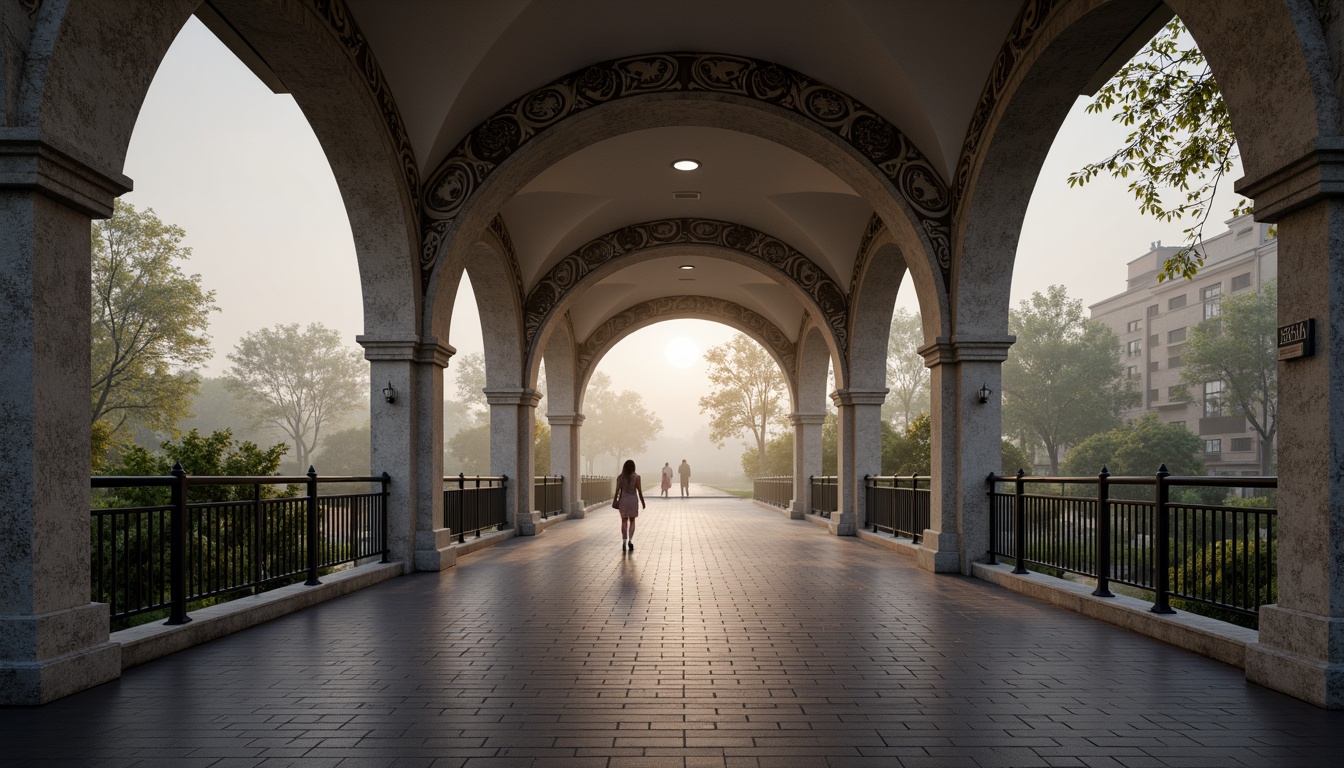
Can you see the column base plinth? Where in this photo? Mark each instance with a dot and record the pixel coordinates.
(529, 524)
(844, 523)
(1300, 654)
(52, 655)
(938, 552)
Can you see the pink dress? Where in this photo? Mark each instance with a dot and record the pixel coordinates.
(629, 498)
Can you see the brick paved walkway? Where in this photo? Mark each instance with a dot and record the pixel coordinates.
(729, 637)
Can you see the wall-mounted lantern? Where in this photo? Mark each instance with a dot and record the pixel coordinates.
(984, 393)
(389, 394)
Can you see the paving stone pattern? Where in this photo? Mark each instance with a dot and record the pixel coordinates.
(730, 637)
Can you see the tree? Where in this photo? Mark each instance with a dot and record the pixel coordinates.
(469, 451)
(470, 385)
(778, 457)
(149, 323)
(615, 423)
(297, 380)
(907, 376)
(746, 390)
(1238, 348)
(1061, 382)
(346, 452)
(1181, 140)
(910, 451)
(1138, 448)
(215, 454)
(1013, 458)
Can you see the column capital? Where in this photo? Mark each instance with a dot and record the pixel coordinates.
(1316, 175)
(843, 397)
(523, 396)
(799, 419)
(28, 161)
(564, 419)
(967, 348)
(416, 349)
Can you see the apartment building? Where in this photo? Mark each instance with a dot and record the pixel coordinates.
(1153, 319)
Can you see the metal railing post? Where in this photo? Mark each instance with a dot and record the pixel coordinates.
(1019, 524)
(1103, 534)
(461, 507)
(258, 556)
(387, 480)
(312, 529)
(993, 523)
(503, 501)
(1162, 513)
(177, 588)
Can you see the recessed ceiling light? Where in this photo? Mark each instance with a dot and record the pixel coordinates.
(685, 195)
(686, 165)
(686, 266)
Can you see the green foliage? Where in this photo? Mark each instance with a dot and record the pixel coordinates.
(1239, 347)
(746, 394)
(907, 376)
(216, 454)
(346, 452)
(1013, 459)
(1061, 382)
(830, 444)
(1181, 143)
(1209, 573)
(298, 380)
(615, 423)
(149, 323)
(910, 451)
(541, 449)
(469, 451)
(470, 385)
(778, 457)
(1138, 447)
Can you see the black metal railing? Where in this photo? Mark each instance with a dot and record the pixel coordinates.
(549, 494)
(898, 505)
(825, 494)
(596, 488)
(155, 557)
(473, 504)
(777, 490)
(1204, 554)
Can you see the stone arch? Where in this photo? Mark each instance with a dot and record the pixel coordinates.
(814, 360)
(642, 315)
(870, 312)
(564, 373)
(506, 151)
(494, 284)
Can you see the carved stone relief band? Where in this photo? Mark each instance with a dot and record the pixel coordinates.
(1029, 21)
(342, 25)
(706, 307)
(463, 172)
(870, 234)
(795, 266)
(501, 233)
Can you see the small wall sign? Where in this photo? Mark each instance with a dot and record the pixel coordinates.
(1297, 340)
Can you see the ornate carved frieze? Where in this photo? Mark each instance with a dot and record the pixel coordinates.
(617, 327)
(1029, 21)
(795, 266)
(875, 227)
(463, 172)
(342, 24)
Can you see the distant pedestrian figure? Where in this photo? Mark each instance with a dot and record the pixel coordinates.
(629, 499)
(667, 478)
(685, 471)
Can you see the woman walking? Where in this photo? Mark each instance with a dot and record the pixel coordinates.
(629, 498)
(667, 479)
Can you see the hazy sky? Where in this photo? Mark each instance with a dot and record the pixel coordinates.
(238, 168)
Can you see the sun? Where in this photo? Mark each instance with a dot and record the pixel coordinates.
(681, 352)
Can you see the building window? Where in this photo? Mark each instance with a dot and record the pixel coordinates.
(1175, 393)
(1153, 366)
(1180, 424)
(1176, 336)
(1213, 446)
(1213, 399)
(1174, 362)
(1152, 395)
(1241, 444)
(1133, 326)
(1154, 340)
(1131, 372)
(1213, 300)
(1241, 281)
(1176, 302)
(1134, 348)
(1152, 311)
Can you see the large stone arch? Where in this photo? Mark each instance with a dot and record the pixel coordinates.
(621, 324)
(507, 150)
(597, 259)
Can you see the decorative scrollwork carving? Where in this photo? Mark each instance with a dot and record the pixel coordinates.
(337, 16)
(463, 172)
(618, 326)
(875, 227)
(829, 297)
(1029, 21)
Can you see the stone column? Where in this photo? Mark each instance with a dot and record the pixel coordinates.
(512, 414)
(565, 458)
(967, 445)
(859, 453)
(407, 443)
(806, 459)
(53, 641)
(1301, 648)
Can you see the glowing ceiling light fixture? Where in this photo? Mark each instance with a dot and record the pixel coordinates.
(686, 266)
(686, 165)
